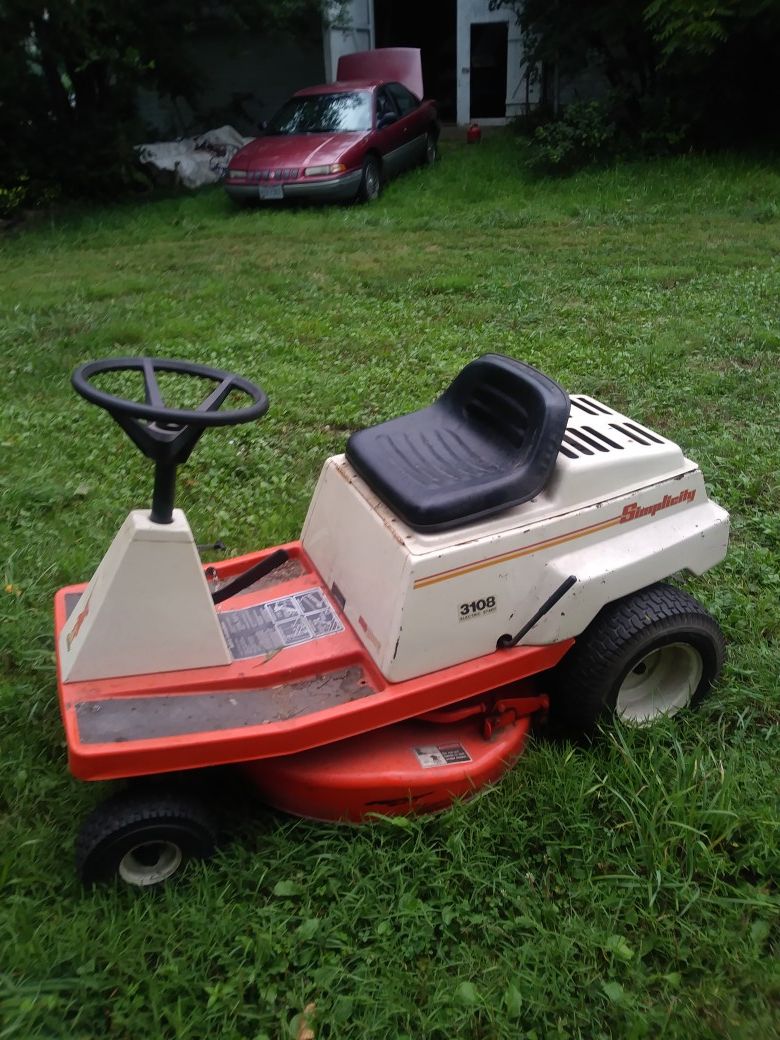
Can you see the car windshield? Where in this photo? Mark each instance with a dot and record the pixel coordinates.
(323, 114)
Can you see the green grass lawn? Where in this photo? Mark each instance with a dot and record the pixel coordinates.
(628, 890)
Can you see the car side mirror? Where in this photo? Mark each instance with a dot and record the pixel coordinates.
(386, 120)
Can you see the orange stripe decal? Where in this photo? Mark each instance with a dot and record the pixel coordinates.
(493, 561)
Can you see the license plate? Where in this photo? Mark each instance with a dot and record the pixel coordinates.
(271, 191)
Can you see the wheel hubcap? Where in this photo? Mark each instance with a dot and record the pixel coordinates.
(372, 183)
(150, 863)
(659, 684)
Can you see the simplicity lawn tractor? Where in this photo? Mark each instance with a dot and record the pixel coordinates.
(462, 568)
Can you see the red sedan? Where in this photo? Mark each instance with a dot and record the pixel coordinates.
(335, 143)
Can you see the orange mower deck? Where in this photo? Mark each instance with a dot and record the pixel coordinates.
(417, 766)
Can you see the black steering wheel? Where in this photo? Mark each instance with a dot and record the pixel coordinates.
(168, 435)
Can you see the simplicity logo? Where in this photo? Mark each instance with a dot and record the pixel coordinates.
(634, 510)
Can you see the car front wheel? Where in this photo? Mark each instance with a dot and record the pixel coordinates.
(370, 184)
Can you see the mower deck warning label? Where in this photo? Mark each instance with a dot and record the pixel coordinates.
(261, 629)
(431, 757)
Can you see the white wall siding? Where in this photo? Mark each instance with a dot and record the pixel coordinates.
(353, 32)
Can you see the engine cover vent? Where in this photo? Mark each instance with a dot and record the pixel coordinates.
(600, 436)
(589, 406)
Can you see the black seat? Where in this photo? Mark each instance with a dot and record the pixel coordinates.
(490, 442)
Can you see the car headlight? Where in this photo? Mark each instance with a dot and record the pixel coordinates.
(318, 171)
(237, 175)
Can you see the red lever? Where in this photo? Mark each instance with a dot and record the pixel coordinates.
(446, 715)
(508, 711)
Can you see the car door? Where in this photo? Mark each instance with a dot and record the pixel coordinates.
(390, 137)
(412, 123)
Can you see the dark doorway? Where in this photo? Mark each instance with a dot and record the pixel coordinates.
(431, 26)
(489, 42)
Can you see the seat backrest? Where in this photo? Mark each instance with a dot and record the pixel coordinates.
(513, 403)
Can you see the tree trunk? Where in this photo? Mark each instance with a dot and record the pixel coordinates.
(49, 60)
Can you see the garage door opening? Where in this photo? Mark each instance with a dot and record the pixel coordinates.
(489, 43)
(431, 26)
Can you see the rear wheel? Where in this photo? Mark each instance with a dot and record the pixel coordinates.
(370, 184)
(143, 838)
(645, 656)
(431, 150)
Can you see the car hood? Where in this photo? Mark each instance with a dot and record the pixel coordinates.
(397, 64)
(295, 150)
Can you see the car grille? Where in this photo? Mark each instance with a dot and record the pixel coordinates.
(287, 173)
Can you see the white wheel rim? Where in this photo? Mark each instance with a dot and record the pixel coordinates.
(149, 863)
(662, 683)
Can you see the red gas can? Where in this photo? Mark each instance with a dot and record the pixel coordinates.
(474, 133)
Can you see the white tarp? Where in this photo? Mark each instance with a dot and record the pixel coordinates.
(194, 161)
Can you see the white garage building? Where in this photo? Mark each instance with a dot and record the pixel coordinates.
(472, 51)
(472, 57)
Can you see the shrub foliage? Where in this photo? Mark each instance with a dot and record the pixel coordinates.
(678, 73)
(70, 75)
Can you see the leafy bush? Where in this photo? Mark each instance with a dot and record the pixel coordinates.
(583, 135)
(71, 73)
(11, 200)
(680, 72)
(529, 122)
(596, 132)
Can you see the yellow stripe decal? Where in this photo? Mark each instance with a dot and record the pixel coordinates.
(492, 561)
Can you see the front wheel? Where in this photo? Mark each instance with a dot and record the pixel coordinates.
(143, 838)
(431, 153)
(370, 184)
(643, 657)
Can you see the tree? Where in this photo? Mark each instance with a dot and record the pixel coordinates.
(698, 28)
(703, 70)
(72, 69)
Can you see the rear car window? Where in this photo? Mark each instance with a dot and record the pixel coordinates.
(384, 104)
(404, 98)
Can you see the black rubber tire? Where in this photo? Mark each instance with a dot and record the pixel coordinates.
(585, 685)
(371, 181)
(431, 153)
(135, 818)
